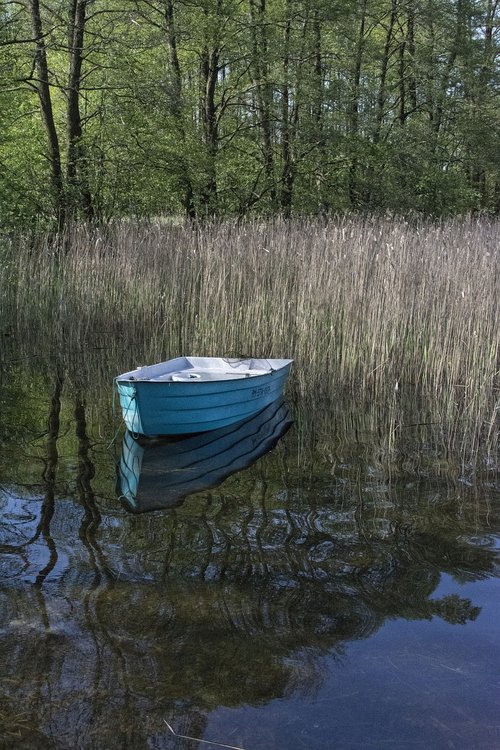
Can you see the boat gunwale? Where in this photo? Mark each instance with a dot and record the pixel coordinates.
(131, 379)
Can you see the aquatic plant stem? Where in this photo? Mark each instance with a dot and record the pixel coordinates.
(197, 739)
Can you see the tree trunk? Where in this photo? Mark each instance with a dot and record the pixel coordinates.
(287, 174)
(177, 111)
(262, 87)
(354, 107)
(44, 97)
(458, 40)
(79, 195)
(402, 81)
(318, 112)
(381, 97)
(209, 72)
(410, 43)
(479, 171)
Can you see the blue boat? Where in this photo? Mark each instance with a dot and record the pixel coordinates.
(195, 394)
(156, 474)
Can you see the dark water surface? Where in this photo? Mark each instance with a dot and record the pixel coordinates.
(342, 592)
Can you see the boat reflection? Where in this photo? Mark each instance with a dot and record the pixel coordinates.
(159, 474)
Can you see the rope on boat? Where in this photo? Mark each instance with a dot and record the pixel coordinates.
(113, 416)
(238, 360)
(125, 413)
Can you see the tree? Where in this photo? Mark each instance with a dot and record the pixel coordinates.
(226, 107)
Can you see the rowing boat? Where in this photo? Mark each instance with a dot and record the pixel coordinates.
(196, 394)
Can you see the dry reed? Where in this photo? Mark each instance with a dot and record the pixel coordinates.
(372, 306)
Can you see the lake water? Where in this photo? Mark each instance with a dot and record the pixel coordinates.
(341, 592)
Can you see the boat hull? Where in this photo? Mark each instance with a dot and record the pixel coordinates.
(154, 408)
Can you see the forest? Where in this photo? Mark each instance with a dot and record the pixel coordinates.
(240, 108)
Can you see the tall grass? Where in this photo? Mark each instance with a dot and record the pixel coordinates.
(375, 306)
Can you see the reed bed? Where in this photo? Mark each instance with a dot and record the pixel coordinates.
(375, 307)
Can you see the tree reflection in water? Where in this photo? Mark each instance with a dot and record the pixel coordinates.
(232, 598)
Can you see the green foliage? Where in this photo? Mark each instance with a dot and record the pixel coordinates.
(23, 168)
(235, 108)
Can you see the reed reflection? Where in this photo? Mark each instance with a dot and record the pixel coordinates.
(236, 597)
(235, 603)
(156, 474)
(232, 599)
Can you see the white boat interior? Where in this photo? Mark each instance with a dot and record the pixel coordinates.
(191, 369)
